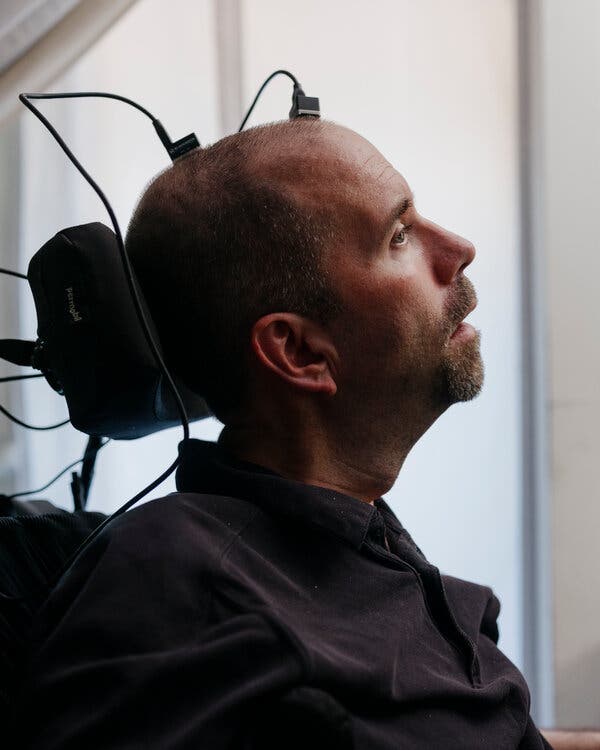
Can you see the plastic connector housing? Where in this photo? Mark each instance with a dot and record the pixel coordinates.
(305, 106)
(178, 148)
(183, 145)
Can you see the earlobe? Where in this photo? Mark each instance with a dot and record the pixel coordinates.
(296, 350)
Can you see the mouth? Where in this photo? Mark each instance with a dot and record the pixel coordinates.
(464, 329)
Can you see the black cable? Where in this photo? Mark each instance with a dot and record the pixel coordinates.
(13, 273)
(29, 426)
(135, 297)
(81, 486)
(94, 94)
(175, 149)
(91, 448)
(55, 479)
(118, 512)
(21, 377)
(261, 89)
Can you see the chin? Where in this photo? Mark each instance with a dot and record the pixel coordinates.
(462, 373)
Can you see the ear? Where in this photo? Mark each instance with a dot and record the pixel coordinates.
(297, 350)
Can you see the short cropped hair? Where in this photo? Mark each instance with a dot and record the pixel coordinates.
(216, 244)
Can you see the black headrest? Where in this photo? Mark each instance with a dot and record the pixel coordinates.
(91, 345)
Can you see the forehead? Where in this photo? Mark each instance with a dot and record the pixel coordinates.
(373, 201)
(337, 168)
(371, 190)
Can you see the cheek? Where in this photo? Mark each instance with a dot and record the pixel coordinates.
(392, 308)
(386, 325)
(407, 306)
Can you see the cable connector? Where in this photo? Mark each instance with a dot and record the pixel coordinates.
(175, 149)
(302, 105)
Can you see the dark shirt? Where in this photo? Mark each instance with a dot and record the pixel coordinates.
(251, 611)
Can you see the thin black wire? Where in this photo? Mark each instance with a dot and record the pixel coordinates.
(118, 512)
(261, 89)
(95, 94)
(7, 597)
(57, 477)
(30, 426)
(134, 294)
(21, 377)
(13, 273)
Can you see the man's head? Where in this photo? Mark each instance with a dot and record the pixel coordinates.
(287, 265)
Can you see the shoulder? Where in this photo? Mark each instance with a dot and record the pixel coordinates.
(189, 519)
(474, 593)
(175, 536)
(475, 606)
(162, 555)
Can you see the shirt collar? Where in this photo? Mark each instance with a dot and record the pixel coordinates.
(206, 467)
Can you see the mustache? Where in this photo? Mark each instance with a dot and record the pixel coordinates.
(460, 302)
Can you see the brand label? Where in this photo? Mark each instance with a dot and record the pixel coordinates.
(73, 311)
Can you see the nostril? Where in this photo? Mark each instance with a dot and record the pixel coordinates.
(467, 255)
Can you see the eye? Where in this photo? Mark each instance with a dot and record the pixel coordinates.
(400, 237)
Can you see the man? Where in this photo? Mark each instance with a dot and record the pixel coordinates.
(276, 600)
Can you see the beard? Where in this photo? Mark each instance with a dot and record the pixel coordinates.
(461, 372)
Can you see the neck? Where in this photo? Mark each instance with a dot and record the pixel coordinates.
(363, 463)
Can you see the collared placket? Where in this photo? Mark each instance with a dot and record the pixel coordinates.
(405, 555)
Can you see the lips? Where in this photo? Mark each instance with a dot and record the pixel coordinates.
(462, 329)
(462, 300)
(461, 326)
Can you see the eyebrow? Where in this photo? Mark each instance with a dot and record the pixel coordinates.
(399, 210)
(397, 213)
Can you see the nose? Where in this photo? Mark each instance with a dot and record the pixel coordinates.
(450, 253)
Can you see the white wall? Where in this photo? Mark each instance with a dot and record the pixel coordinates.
(434, 86)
